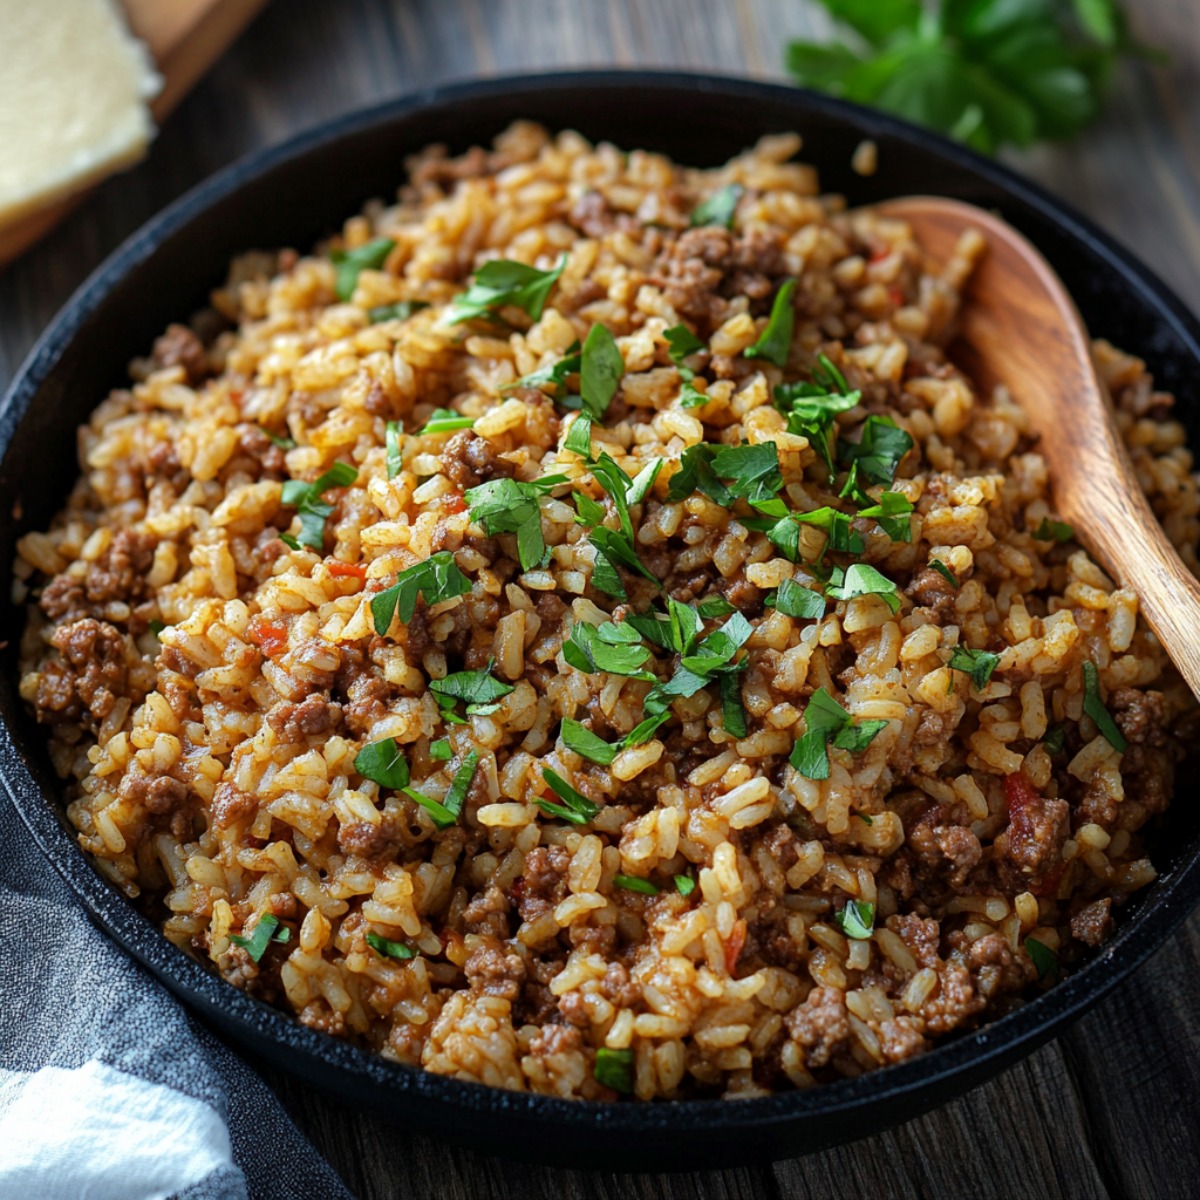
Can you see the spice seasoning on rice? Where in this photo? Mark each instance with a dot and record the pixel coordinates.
(578, 633)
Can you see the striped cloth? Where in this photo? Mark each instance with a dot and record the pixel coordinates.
(108, 1088)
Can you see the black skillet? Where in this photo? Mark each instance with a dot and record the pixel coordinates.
(292, 195)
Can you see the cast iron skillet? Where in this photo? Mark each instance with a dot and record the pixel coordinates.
(295, 193)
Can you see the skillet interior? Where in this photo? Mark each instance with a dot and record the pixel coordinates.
(302, 190)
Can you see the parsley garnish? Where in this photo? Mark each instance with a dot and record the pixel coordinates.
(879, 450)
(503, 283)
(775, 341)
(715, 606)
(631, 883)
(284, 443)
(399, 311)
(585, 743)
(1093, 705)
(392, 440)
(685, 885)
(862, 579)
(1044, 959)
(825, 720)
(892, 515)
(312, 510)
(615, 547)
(614, 1069)
(575, 807)
(267, 930)
(1055, 740)
(1053, 531)
(753, 472)
(388, 949)
(509, 506)
(978, 664)
(986, 73)
(157, 627)
(795, 600)
(555, 375)
(733, 712)
(479, 690)
(437, 578)
(613, 647)
(446, 420)
(811, 406)
(944, 571)
(579, 436)
(856, 920)
(350, 264)
(440, 750)
(383, 763)
(683, 342)
(719, 208)
(600, 370)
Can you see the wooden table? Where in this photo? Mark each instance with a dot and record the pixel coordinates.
(1111, 1108)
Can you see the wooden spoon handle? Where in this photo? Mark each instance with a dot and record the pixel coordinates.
(1021, 328)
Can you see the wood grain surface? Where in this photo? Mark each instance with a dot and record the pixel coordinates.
(1109, 1110)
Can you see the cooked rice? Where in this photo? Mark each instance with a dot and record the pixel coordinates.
(212, 775)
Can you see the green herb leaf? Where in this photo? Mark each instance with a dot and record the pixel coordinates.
(392, 443)
(856, 920)
(879, 450)
(579, 436)
(614, 1069)
(389, 949)
(685, 885)
(631, 883)
(1053, 531)
(351, 263)
(719, 208)
(440, 750)
(733, 713)
(284, 443)
(383, 763)
(437, 578)
(510, 506)
(944, 571)
(682, 343)
(553, 377)
(399, 311)
(892, 514)
(585, 743)
(843, 537)
(794, 600)
(503, 283)
(1093, 705)
(157, 627)
(600, 371)
(811, 407)
(719, 647)
(825, 720)
(460, 785)
(978, 664)
(861, 579)
(775, 341)
(1044, 959)
(312, 510)
(267, 930)
(607, 647)
(714, 606)
(575, 808)
(856, 738)
(479, 690)
(446, 420)
(1055, 740)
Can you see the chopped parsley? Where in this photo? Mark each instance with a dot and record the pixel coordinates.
(383, 763)
(502, 283)
(733, 712)
(878, 451)
(553, 377)
(631, 883)
(579, 436)
(399, 311)
(1055, 740)
(856, 920)
(509, 506)
(440, 750)
(601, 368)
(794, 600)
(575, 808)
(715, 606)
(437, 578)
(479, 690)
(685, 885)
(719, 208)
(389, 949)
(683, 342)
(613, 547)
(351, 263)
(284, 443)
(843, 537)
(586, 744)
(1053, 531)
(1044, 959)
(313, 511)
(392, 442)
(1093, 705)
(944, 571)
(615, 647)
(614, 1069)
(978, 664)
(892, 514)
(825, 720)
(446, 420)
(812, 406)
(157, 627)
(753, 472)
(775, 341)
(862, 579)
(267, 930)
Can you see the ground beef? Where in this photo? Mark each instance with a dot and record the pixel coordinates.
(901, 1038)
(373, 841)
(743, 595)
(544, 883)
(160, 794)
(268, 457)
(180, 347)
(555, 1039)
(1148, 765)
(487, 914)
(996, 969)
(1028, 854)
(619, 987)
(230, 804)
(1141, 716)
(1093, 923)
(944, 848)
(820, 1025)
(366, 694)
(592, 215)
(495, 971)
(84, 686)
(930, 589)
(954, 1001)
(293, 722)
(318, 1015)
(782, 845)
(469, 460)
(118, 574)
(921, 936)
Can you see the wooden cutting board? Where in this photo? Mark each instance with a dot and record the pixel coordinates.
(185, 38)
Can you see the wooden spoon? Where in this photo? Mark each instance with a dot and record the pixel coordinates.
(1022, 329)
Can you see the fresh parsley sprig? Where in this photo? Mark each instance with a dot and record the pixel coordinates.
(503, 283)
(575, 807)
(1093, 705)
(351, 263)
(311, 507)
(719, 208)
(811, 407)
(775, 341)
(437, 578)
(825, 721)
(479, 690)
(510, 506)
(978, 664)
(683, 343)
(267, 930)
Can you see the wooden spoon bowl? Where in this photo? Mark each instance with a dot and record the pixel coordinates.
(1019, 327)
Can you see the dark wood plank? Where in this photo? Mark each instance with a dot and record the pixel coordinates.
(1107, 1110)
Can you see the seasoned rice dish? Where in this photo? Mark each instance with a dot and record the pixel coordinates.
(577, 632)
